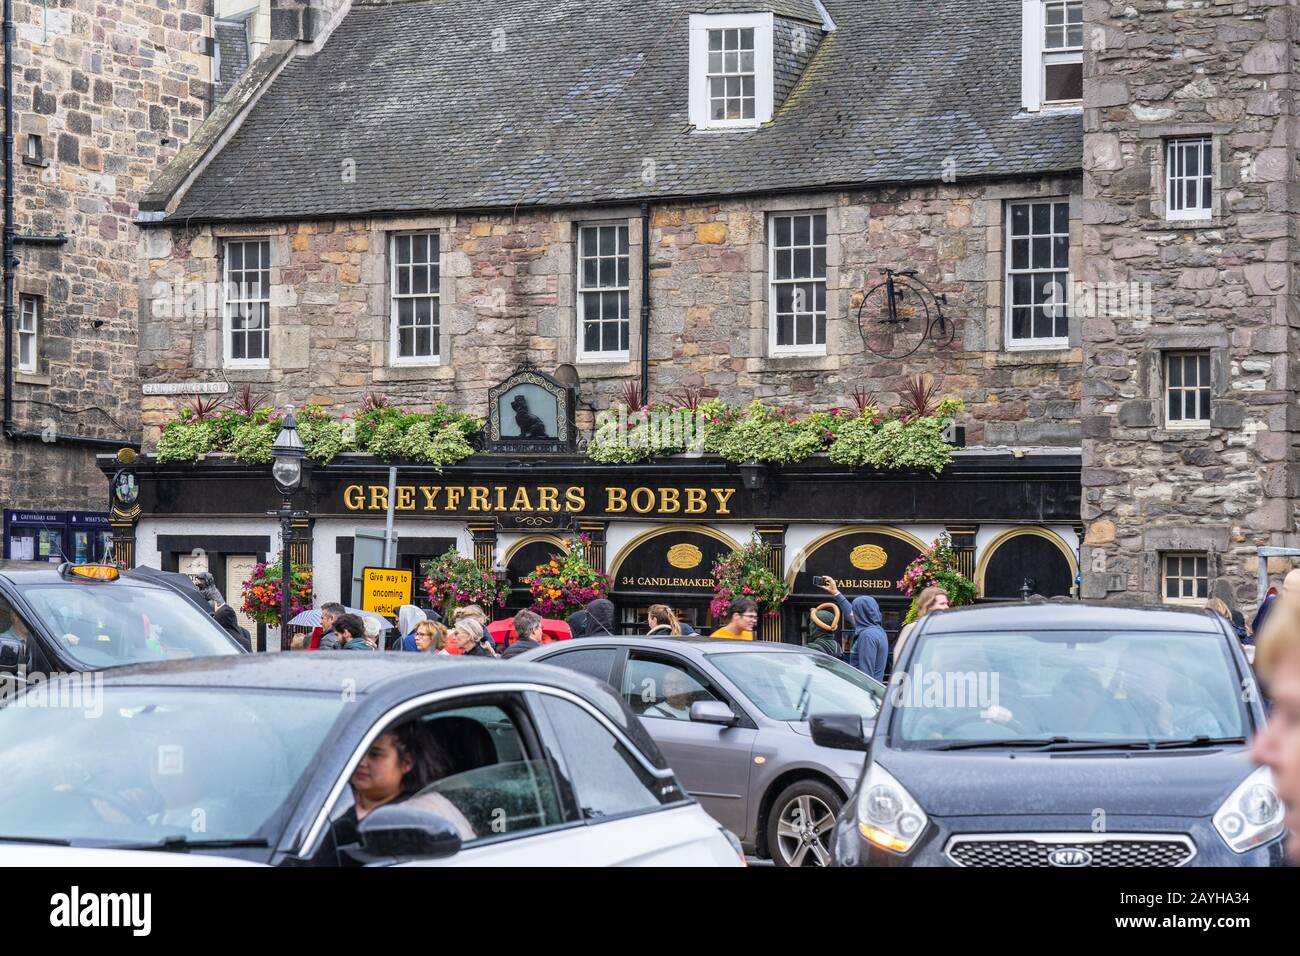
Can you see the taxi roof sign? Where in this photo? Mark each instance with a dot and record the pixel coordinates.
(92, 572)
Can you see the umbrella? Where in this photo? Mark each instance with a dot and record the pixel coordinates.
(311, 617)
(552, 630)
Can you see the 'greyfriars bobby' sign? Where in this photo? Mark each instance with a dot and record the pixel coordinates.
(531, 412)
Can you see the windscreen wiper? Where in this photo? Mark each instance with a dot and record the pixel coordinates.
(1036, 742)
(1201, 740)
(48, 841)
(183, 844)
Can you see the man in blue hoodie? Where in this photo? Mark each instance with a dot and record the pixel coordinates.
(871, 644)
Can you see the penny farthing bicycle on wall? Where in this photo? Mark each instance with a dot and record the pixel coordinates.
(897, 316)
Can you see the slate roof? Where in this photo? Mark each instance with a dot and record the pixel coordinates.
(589, 97)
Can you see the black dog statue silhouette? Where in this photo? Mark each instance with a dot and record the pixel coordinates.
(530, 426)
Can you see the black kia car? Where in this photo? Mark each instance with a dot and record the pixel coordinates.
(1062, 734)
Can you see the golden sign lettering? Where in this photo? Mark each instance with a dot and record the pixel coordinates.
(571, 499)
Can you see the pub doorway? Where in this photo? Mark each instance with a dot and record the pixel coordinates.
(863, 560)
(670, 565)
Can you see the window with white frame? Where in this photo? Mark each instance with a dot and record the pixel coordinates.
(247, 294)
(1189, 171)
(1185, 577)
(731, 62)
(416, 308)
(603, 292)
(1038, 276)
(797, 275)
(29, 331)
(1187, 389)
(731, 74)
(1052, 53)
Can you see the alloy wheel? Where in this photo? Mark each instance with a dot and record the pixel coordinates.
(804, 831)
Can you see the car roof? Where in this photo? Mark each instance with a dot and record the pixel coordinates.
(325, 671)
(1068, 615)
(697, 643)
(44, 572)
(371, 675)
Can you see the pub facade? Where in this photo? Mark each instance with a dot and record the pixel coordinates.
(656, 529)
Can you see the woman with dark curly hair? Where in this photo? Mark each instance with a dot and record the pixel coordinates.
(397, 766)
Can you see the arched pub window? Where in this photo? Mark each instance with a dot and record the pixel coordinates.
(1026, 555)
(673, 566)
(864, 560)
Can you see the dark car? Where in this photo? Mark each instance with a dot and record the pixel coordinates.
(1062, 734)
(254, 757)
(732, 717)
(88, 617)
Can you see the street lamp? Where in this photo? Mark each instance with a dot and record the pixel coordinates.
(288, 453)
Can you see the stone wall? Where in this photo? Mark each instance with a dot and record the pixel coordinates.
(1156, 71)
(508, 296)
(112, 88)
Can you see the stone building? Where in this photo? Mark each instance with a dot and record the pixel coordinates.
(1189, 400)
(418, 199)
(104, 95)
(909, 163)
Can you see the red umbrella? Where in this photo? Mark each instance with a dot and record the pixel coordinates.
(552, 630)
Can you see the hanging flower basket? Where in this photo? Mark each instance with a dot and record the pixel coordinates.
(744, 573)
(936, 566)
(453, 581)
(261, 593)
(568, 583)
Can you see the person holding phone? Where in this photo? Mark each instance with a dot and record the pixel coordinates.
(870, 650)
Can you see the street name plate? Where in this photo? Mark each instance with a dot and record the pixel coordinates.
(186, 388)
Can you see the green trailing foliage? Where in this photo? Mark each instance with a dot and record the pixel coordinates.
(866, 438)
(247, 433)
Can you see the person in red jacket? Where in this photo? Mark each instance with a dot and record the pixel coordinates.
(329, 613)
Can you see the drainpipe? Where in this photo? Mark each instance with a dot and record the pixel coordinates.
(12, 239)
(645, 301)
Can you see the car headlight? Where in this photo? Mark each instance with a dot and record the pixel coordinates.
(1252, 814)
(887, 814)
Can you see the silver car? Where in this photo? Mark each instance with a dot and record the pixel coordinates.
(732, 719)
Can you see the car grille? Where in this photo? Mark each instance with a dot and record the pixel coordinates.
(1098, 850)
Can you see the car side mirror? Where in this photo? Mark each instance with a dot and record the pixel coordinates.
(840, 731)
(712, 712)
(12, 653)
(398, 831)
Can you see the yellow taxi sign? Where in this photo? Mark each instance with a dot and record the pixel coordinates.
(95, 572)
(385, 590)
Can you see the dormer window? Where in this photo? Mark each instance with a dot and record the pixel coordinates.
(731, 70)
(1052, 54)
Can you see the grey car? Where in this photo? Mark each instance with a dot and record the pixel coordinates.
(732, 719)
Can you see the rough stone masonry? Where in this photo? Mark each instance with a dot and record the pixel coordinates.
(112, 88)
(1156, 71)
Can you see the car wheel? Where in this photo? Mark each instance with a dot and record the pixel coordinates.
(800, 824)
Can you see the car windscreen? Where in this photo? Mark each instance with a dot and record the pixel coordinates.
(105, 625)
(799, 686)
(1076, 686)
(101, 764)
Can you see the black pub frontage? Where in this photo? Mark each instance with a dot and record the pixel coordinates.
(655, 528)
